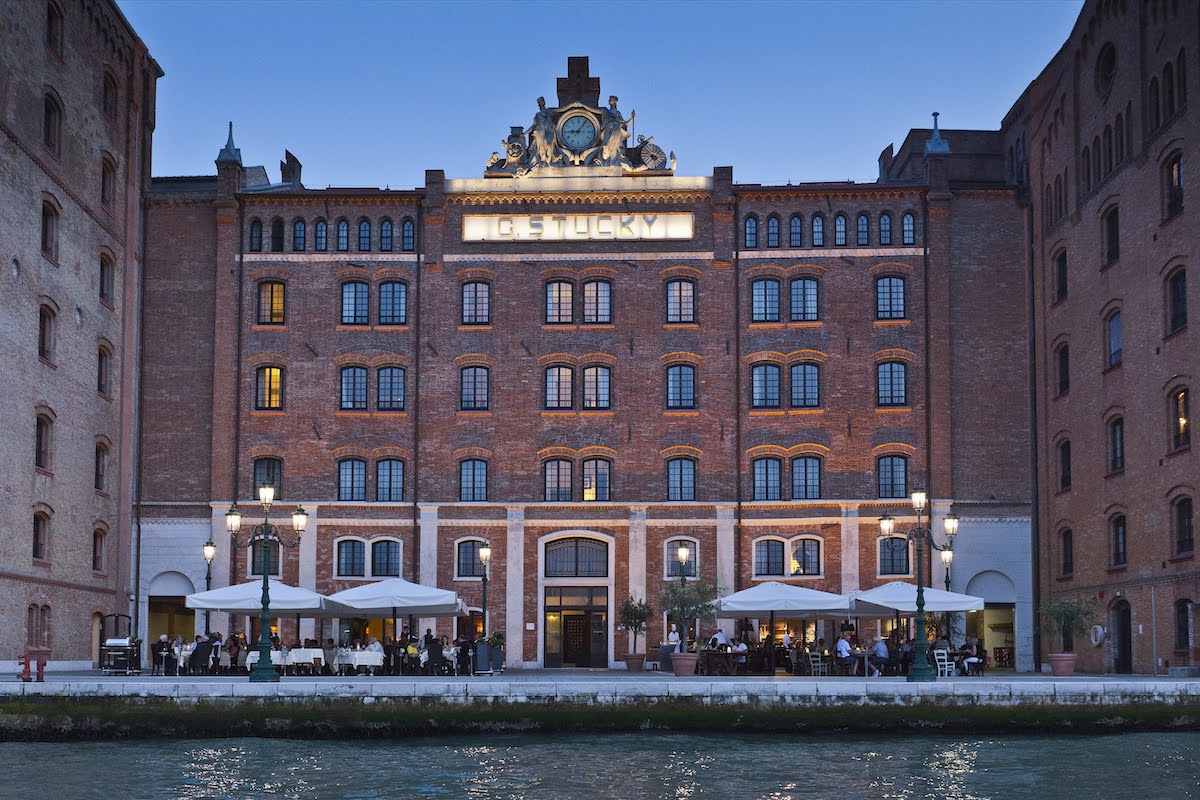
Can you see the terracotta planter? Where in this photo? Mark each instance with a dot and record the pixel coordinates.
(684, 664)
(635, 663)
(1062, 665)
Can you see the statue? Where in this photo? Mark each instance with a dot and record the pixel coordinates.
(613, 133)
(544, 150)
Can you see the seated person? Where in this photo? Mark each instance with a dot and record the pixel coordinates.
(970, 656)
(847, 661)
(740, 648)
(879, 656)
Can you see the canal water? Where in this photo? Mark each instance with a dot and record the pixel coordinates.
(620, 766)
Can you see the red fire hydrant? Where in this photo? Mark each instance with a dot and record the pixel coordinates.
(23, 662)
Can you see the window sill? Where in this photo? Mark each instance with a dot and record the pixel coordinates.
(765, 324)
(99, 573)
(787, 577)
(805, 410)
(1062, 578)
(1172, 334)
(352, 412)
(350, 326)
(49, 473)
(1181, 557)
(1058, 301)
(598, 326)
(267, 412)
(1116, 473)
(677, 326)
(885, 323)
(103, 494)
(473, 326)
(767, 412)
(805, 323)
(892, 575)
(105, 396)
(559, 413)
(681, 413)
(559, 326)
(107, 304)
(47, 362)
(596, 412)
(1180, 450)
(391, 412)
(479, 413)
(1117, 569)
(892, 409)
(43, 563)
(269, 326)
(391, 327)
(1112, 367)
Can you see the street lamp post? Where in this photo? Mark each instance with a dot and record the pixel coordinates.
(683, 554)
(264, 534)
(921, 671)
(485, 555)
(210, 552)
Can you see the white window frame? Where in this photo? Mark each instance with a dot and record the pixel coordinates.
(337, 573)
(670, 557)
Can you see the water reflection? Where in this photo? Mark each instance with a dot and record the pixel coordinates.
(662, 766)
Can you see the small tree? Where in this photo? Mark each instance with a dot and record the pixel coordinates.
(686, 601)
(635, 615)
(1066, 617)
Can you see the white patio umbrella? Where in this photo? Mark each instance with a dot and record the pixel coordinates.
(246, 598)
(397, 596)
(883, 601)
(775, 597)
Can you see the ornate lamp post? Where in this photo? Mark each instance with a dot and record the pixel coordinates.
(951, 524)
(210, 552)
(485, 555)
(683, 554)
(264, 534)
(921, 671)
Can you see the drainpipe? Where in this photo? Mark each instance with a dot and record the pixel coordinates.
(1025, 199)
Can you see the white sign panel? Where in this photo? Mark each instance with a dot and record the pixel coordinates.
(576, 227)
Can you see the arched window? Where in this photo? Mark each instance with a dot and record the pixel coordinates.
(109, 95)
(321, 236)
(42, 442)
(891, 384)
(99, 549)
(108, 182)
(468, 564)
(385, 558)
(1181, 519)
(765, 300)
(103, 370)
(1114, 336)
(1181, 426)
(393, 303)
(47, 324)
(473, 394)
(476, 303)
(268, 549)
(864, 231)
(889, 297)
(893, 556)
(352, 479)
(268, 389)
(1177, 311)
(364, 236)
(768, 557)
(1116, 444)
(806, 478)
(806, 385)
(270, 303)
(806, 556)
(52, 124)
(54, 40)
(299, 235)
(597, 303)
(355, 303)
(1062, 367)
(1112, 235)
(681, 386)
(1108, 150)
(343, 235)
(385, 236)
(1183, 625)
(750, 240)
(577, 558)
(560, 387)
(353, 389)
(472, 480)
(277, 235)
(772, 231)
(41, 536)
(268, 471)
(256, 235)
(686, 569)
(893, 476)
(805, 297)
(1060, 277)
(908, 227)
(1066, 546)
(1168, 90)
(1064, 465)
(1155, 108)
(681, 479)
(557, 473)
(559, 302)
(839, 230)
(49, 231)
(1119, 553)
(389, 480)
(351, 558)
(1172, 180)
(389, 389)
(407, 236)
(108, 281)
(767, 479)
(597, 473)
(796, 231)
(764, 386)
(1119, 138)
(597, 382)
(1058, 197)
(681, 301)
(818, 231)
(1085, 165)
(885, 229)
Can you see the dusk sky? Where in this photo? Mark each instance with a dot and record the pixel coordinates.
(374, 93)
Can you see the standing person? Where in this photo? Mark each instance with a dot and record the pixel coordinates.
(430, 639)
(673, 638)
(234, 648)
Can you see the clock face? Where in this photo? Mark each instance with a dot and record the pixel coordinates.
(578, 132)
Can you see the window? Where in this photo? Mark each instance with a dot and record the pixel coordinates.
(1119, 126)
(299, 234)
(355, 303)
(1181, 431)
(885, 229)
(1067, 546)
(891, 385)
(98, 550)
(889, 298)
(864, 231)
(596, 479)
(108, 183)
(103, 370)
(276, 235)
(42, 441)
(893, 556)
(389, 389)
(1181, 518)
(806, 478)
(1112, 236)
(806, 557)
(49, 231)
(1062, 366)
(476, 303)
(1085, 164)
(805, 300)
(52, 125)
(474, 389)
(270, 303)
(839, 230)
(751, 233)
(681, 303)
(343, 235)
(389, 481)
(557, 473)
(597, 303)
(772, 231)
(1113, 333)
(268, 549)
(1107, 139)
(818, 231)
(767, 483)
(1106, 69)
(352, 479)
(596, 382)
(560, 383)
(46, 329)
(764, 388)
(893, 476)
(54, 39)
(1176, 301)
(256, 235)
(768, 557)
(321, 240)
(796, 231)
(268, 389)
(681, 386)
(353, 389)
(108, 96)
(385, 236)
(385, 559)
(577, 558)
(364, 236)
(100, 471)
(1168, 90)
(1116, 445)
(559, 302)
(687, 569)
(1116, 531)
(469, 564)
(908, 228)
(1183, 625)
(765, 300)
(806, 386)
(472, 480)
(1173, 186)
(269, 472)
(108, 279)
(393, 303)
(1064, 465)
(351, 558)
(407, 236)
(1060, 277)
(41, 536)
(681, 479)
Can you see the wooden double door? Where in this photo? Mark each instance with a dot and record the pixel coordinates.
(576, 627)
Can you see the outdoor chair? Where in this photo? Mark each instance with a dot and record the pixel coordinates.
(817, 665)
(945, 667)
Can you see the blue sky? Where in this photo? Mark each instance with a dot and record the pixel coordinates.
(375, 93)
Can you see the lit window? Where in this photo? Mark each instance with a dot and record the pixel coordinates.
(596, 479)
(270, 303)
(268, 393)
(559, 302)
(1173, 186)
(473, 395)
(389, 480)
(1181, 429)
(681, 304)
(806, 557)
(597, 303)
(352, 479)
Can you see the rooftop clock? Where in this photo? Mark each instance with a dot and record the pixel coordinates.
(577, 132)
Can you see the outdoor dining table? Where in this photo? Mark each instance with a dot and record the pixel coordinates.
(358, 658)
(865, 657)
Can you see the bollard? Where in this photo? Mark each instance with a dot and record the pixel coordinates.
(23, 661)
(41, 668)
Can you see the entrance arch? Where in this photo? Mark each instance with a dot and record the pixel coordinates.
(166, 610)
(995, 626)
(575, 595)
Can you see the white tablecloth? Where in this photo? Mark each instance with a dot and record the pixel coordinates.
(297, 656)
(358, 658)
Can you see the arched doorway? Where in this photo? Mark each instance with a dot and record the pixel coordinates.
(1121, 625)
(575, 573)
(995, 626)
(166, 611)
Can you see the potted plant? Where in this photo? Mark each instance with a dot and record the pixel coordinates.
(635, 616)
(496, 644)
(1065, 618)
(683, 602)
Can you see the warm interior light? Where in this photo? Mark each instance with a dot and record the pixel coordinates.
(683, 554)
(266, 494)
(485, 554)
(887, 524)
(210, 551)
(299, 520)
(947, 556)
(918, 499)
(233, 519)
(951, 524)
